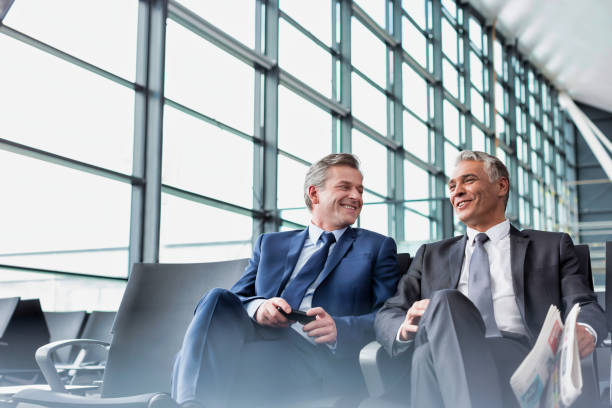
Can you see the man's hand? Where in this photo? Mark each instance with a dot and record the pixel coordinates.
(413, 315)
(586, 341)
(323, 329)
(268, 315)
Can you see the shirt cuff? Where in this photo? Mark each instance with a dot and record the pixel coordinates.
(401, 345)
(252, 306)
(590, 330)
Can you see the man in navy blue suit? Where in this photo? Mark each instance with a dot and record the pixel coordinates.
(240, 347)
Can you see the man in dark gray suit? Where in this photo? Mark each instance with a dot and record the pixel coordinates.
(470, 308)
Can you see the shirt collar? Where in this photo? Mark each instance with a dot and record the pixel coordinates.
(314, 233)
(495, 233)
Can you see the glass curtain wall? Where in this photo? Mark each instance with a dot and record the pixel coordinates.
(186, 130)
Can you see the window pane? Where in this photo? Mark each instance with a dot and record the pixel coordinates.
(374, 216)
(450, 79)
(208, 80)
(375, 8)
(476, 34)
(477, 105)
(373, 158)
(478, 139)
(416, 10)
(290, 188)
(196, 154)
(237, 18)
(369, 104)
(314, 15)
(60, 293)
(449, 41)
(416, 227)
(476, 70)
(193, 232)
(368, 53)
(450, 154)
(416, 182)
(64, 109)
(304, 130)
(57, 218)
(414, 42)
(453, 125)
(304, 59)
(414, 92)
(416, 137)
(87, 37)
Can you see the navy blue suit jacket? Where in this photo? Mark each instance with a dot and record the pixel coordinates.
(360, 274)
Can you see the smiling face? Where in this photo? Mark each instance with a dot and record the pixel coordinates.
(478, 201)
(338, 203)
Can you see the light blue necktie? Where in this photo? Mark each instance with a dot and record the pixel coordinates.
(479, 285)
(295, 290)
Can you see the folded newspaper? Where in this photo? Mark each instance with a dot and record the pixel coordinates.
(550, 376)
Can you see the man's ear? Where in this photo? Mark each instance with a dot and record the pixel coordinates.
(504, 184)
(313, 194)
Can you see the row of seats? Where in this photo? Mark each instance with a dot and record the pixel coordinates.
(154, 313)
(24, 327)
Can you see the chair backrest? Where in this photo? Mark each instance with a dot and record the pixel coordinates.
(584, 260)
(63, 326)
(25, 331)
(609, 283)
(99, 326)
(404, 261)
(155, 311)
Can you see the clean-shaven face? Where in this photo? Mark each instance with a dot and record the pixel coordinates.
(339, 202)
(477, 201)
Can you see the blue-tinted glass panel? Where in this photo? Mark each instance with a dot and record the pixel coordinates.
(416, 137)
(57, 218)
(373, 158)
(414, 91)
(207, 79)
(313, 15)
(369, 104)
(368, 53)
(193, 232)
(207, 160)
(304, 59)
(52, 105)
(81, 28)
(304, 130)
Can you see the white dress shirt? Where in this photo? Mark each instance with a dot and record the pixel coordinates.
(311, 245)
(507, 314)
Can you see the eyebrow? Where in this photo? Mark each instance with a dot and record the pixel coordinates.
(462, 177)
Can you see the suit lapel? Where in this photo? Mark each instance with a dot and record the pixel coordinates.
(343, 245)
(295, 248)
(455, 260)
(518, 249)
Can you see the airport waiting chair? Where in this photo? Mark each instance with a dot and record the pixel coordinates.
(63, 326)
(22, 330)
(387, 379)
(155, 311)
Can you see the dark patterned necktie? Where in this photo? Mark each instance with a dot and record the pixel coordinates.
(295, 290)
(479, 285)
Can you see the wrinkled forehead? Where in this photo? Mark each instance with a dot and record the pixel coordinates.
(466, 167)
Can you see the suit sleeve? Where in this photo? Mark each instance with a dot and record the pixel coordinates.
(576, 289)
(245, 287)
(354, 332)
(391, 316)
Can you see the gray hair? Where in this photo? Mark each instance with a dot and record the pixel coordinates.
(494, 167)
(317, 173)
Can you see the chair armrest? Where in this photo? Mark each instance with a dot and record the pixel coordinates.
(380, 371)
(45, 362)
(52, 399)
